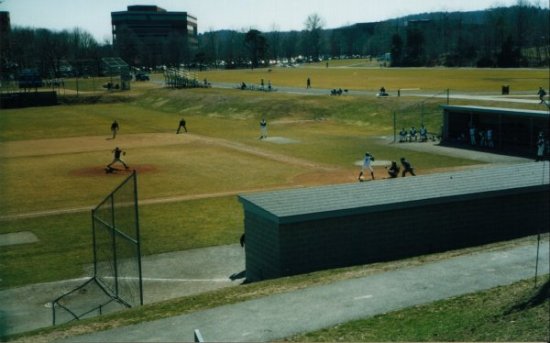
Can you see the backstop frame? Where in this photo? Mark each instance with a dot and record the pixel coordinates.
(109, 227)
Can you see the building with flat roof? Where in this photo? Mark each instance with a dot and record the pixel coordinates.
(158, 32)
(302, 230)
(5, 25)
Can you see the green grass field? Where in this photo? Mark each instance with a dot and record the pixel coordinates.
(52, 158)
(355, 76)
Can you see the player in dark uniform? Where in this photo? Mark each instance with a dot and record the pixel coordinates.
(393, 170)
(114, 128)
(182, 124)
(117, 152)
(407, 168)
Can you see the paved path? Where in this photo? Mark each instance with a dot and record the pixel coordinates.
(282, 315)
(521, 98)
(166, 276)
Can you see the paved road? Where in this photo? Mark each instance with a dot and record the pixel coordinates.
(515, 98)
(282, 315)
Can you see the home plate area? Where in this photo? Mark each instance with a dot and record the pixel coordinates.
(281, 140)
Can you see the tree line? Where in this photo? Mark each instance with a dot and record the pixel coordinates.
(516, 36)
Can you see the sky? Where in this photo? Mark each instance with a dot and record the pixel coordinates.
(94, 16)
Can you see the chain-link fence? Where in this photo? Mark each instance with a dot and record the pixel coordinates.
(117, 258)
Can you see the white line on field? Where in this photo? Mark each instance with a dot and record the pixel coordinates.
(170, 280)
(368, 296)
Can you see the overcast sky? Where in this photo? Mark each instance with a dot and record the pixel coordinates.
(94, 16)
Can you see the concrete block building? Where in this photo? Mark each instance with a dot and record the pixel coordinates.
(308, 229)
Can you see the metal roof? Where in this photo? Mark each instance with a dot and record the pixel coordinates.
(372, 196)
(498, 110)
(114, 62)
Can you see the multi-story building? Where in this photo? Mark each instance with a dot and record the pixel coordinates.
(160, 34)
(4, 22)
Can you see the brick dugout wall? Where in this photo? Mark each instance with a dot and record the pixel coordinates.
(303, 230)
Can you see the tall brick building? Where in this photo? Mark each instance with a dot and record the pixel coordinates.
(156, 32)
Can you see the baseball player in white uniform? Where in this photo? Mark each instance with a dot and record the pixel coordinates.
(367, 164)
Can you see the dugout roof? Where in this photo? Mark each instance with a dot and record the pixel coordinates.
(497, 110)
(303, 204)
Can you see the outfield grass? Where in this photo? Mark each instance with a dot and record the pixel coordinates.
(427, 79)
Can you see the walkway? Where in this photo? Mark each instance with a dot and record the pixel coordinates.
(278, 316)
(416, 93)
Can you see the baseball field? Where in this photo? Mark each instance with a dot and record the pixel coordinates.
(53, 158)
(52, 170)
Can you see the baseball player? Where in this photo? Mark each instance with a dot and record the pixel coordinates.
(263, 129)
(407, 167)
(114, 128)
(181, 124)
(117, 152)
(367, 161)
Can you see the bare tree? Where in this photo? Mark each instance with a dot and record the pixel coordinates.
(312, 40)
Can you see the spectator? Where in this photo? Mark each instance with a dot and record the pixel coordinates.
(423, 134)
(472, 132)
(402, 135)
(541, 143)
(412, 134)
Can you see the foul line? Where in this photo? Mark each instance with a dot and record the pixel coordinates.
(168, 279)
(142, 202)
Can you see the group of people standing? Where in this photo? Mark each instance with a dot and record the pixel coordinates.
(393, 169)
(413, 134)
(483, 138)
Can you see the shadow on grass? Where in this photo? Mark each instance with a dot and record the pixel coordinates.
(541, 295)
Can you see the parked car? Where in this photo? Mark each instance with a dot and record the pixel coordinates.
(142, 77)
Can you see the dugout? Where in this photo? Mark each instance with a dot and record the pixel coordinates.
(515, 131)
(308, 229)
